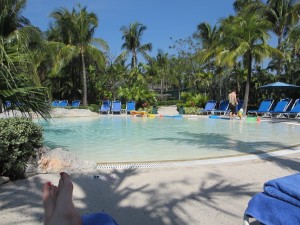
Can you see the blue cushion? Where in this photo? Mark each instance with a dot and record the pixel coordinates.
(98, 219)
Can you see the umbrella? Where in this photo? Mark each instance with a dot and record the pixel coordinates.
(279, 85)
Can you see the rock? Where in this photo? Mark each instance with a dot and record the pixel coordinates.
(33, 163)
(3, 180)
(62, 112)
(55, 113)
(58, 160)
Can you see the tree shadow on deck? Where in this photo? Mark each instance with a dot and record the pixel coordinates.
(129, 203)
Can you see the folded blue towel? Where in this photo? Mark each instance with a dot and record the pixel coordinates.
(98, 219)
(271, 211)
(279, 204)
(285, 188)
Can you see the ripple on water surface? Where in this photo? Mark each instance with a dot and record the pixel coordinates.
(130, 139)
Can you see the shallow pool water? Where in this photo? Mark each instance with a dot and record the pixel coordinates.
(128, 139)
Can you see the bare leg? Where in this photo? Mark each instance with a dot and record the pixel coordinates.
(63, 211)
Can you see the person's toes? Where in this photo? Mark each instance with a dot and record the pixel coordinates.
(66, 177)
(65, 182)
(46, 191)
(53, 191)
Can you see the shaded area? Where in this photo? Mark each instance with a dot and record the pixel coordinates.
(159, 205)
(135, 196)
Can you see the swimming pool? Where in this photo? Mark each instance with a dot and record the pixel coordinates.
(110, 139)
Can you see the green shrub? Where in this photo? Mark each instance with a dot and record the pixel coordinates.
(92, 107)
(192, 100)
(169, 102)
(18, 139)
(191, 110)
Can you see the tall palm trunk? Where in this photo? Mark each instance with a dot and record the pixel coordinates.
(134, 59)
(237, 85)
(279, 40)
(84, 83)
(246, 98)
(161, 86)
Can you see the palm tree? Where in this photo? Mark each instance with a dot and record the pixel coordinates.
(160, 68)
(283, 14)
(246, 36)
(240, 5)
(132, 36)
(76, 31)
(291, 50)
(210, 38)
(293, 39)
(208, 35)
(17, 83)
(11, 17)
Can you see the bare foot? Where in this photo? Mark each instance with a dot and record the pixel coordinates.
(49, 200)
(63, 212)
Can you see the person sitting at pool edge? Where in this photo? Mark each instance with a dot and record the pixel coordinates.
(59, 208)
(232, 103)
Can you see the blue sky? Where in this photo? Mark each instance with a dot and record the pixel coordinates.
(163, 18)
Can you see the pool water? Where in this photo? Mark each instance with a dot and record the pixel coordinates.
(109, 139)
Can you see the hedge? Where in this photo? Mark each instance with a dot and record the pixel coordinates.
(19, 137)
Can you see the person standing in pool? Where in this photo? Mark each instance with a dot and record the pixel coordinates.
(232, 103)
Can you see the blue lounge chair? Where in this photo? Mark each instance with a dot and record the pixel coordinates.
(295, 110)
(280, 107)
(223, 108)
(210, 105)
(63, 103)
(105, 107)
(116, 107)
(279, 203)
(55, 103)
(75, 103)
(130, 106)
(265, 107)
(8, 104)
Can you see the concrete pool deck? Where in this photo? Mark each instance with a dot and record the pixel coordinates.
(203, 194)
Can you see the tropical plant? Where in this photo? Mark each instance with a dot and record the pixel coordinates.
(75, 30)
(19, 138)
(11, 16)
(209, 36)
(240, 5)
(18, 85)
(283, 14)
(193, 100)
(132, 42)
(158, 71)
(245, 36)
(135, 88)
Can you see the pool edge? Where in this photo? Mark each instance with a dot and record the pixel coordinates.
(168, 164)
